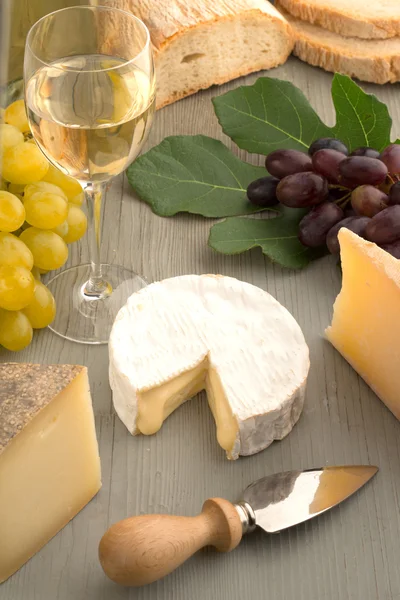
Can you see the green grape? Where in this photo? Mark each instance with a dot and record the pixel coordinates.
(12, 212)
(70, 186)
(24, 163)
(42, 309)
(14, 253)
(78, 199)
(45, 210)
(15, 114)
(62, 230)
(77, 224)
(36, 272)
(15, 330)
(16, 287)
(48, 249)
(17, 189)
(43, 186)
(9, 136)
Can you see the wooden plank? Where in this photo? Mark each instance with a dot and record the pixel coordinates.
(347, 554)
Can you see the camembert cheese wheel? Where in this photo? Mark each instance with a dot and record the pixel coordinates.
(182, 335)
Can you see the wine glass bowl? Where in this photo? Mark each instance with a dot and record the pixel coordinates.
(90, 98)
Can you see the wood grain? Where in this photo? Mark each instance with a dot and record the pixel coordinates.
(140, 550)
(349, 553)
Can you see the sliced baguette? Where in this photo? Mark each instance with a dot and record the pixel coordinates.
(199, 43)
(377, 61)
(369, 19)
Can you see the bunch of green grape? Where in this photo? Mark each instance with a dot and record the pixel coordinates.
(40, 213)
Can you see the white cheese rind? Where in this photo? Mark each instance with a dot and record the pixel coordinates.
(251, 341)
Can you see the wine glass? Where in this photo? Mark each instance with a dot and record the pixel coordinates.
(90, 98)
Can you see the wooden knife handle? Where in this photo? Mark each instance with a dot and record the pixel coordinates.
(140, 550)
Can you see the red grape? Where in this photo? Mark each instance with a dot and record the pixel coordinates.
(365, 151)
(393, 248)
(302, 189)
(281, 163)
(391, 157)
(262, 192)
(384, 228)
(363, 170)
(394, 194)
(349, 212)
(355, 224)
(327, 143)
(316, 224)
(326, 162)
(367, 200)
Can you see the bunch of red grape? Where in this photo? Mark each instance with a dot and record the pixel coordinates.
(359, 191)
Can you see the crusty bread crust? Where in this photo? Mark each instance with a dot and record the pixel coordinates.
(167, 18)
(376, 61)
(176, 25)
(353, 18)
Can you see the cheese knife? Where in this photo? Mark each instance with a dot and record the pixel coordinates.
(143, 549)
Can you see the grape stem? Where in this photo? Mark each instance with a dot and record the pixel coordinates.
(337, 187)
(346, 198)
(342, 202)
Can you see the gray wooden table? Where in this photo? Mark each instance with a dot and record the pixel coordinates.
(351, 552)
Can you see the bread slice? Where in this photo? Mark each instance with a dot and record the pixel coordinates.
(369, 19)
(198, 43)
(377, 61)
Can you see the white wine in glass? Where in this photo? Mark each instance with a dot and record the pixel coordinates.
(90, 97)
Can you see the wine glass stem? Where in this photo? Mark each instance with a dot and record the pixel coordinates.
(96, 287)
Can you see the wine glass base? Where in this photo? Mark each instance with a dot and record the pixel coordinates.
(84, 319)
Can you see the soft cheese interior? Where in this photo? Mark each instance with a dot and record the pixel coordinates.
(155, 405)
(185, 334)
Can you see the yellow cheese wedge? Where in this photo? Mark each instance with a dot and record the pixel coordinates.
(366, 320)
(49, 459)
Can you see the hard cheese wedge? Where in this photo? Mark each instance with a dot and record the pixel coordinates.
(366, 320)
(185, 334)
(49, 459)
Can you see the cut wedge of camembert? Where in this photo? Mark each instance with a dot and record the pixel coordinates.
(182, 335)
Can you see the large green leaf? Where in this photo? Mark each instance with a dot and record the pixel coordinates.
(268, 115)
(200, 175)
(361, 119)
(196, 174)
(277, 238)
(275, 114)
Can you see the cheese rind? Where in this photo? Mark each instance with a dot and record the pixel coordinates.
(366, 325)
(49, 460)
(255, 357)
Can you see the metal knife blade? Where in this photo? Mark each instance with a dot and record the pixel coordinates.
(282, 500)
